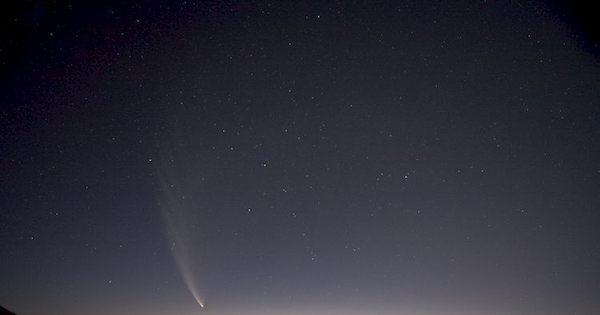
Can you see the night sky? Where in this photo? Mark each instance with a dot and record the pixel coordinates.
(299, 157)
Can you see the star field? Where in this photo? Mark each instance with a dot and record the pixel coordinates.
(258, 157)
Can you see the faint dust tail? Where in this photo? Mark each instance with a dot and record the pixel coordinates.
(176, 202)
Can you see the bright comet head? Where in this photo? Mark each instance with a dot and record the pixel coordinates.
(196, 296)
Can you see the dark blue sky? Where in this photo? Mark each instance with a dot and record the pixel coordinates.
(361, 157)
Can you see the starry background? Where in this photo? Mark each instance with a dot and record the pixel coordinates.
(310, 157)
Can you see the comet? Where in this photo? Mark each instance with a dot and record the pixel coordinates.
(176, 234)
(175, 203)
